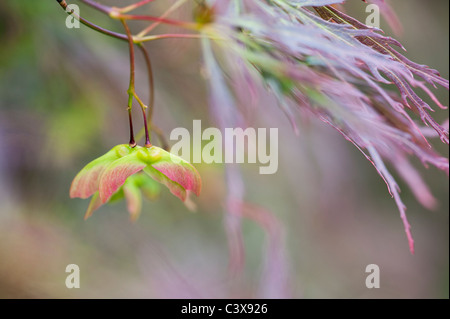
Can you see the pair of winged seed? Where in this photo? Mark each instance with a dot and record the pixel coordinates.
(104, 177)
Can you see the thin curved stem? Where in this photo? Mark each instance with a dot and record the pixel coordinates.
(136, 39)
(171, 36)
(151, 83)
(117, 13)
(130, 120)
(91, 25)
(186, 25)
(159, 134)
(131, 88)
(161, 137)
(175, 6)
(152, 127)
(98, 6)
(134, 6)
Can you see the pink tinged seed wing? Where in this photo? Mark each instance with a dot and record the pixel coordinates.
(175, 188)
(86, 182)
(179, 171)
(134, 199)
(187, 177)
(117, 173)
(94, 204)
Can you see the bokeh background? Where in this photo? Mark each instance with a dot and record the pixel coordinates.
(62, 104)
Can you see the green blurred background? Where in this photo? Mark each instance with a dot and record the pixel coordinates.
(62, 104)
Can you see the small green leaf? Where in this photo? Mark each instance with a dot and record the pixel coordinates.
(134, 199)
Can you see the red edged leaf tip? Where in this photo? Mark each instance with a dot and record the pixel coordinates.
(185, 175)
(177, 170)
(94, 204)
(116, 174)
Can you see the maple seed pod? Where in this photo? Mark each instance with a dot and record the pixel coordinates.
(122, 150)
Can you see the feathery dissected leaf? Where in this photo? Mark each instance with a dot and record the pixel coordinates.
(400, 79)
(389, 14)
(337, 69)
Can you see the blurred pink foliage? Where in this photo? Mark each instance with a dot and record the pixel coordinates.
(336, 68)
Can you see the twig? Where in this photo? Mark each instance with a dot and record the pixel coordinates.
(151, 90)
(134, 6)
(175, 6)
(91, 25)
(131, 89)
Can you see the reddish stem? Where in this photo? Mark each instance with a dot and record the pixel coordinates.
(151, 90)
(131, 89)
(134, 6)
(98, 6)
(130, 119)
(157, 19)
